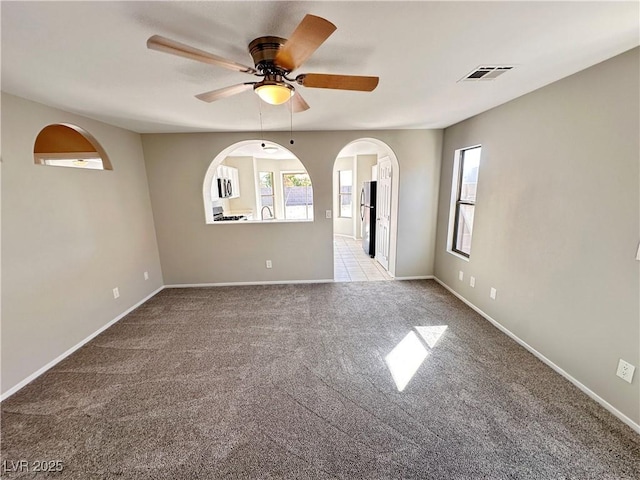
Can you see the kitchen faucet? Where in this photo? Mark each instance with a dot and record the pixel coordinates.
(262, 212)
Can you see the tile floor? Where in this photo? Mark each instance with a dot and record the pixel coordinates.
(351, 264)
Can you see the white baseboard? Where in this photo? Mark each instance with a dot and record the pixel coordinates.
(57, 360)
(279, 282)
(240, 284)
(419, 277)
(581, 386)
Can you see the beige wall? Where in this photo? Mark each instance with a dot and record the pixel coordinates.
(557, 223)
(193, 252)
(69, 236)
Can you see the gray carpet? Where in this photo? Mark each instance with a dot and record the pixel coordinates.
(290, 381)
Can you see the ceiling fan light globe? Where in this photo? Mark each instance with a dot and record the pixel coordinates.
(274, 94)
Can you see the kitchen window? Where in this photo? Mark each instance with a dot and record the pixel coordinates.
(345, 188)
(465, 183)
(266, 189)
(298, 196)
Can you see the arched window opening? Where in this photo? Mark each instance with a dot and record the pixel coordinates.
(66, 145)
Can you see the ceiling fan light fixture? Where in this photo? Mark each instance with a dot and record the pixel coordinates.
(274, 93)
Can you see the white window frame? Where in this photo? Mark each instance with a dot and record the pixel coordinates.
(340, 195)
(455, 190)
(273, 191)
(283, 173)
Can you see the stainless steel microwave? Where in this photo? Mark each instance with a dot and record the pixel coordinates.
(225, 190)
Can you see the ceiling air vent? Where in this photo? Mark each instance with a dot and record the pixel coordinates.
(485, 73)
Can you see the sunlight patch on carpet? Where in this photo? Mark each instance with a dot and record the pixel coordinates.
(431, 334)
(406, 357)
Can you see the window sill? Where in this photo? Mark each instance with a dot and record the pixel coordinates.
(455, 254)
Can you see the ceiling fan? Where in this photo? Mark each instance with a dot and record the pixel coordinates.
(274, 59)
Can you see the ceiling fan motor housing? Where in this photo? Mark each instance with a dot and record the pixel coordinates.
(263, 50)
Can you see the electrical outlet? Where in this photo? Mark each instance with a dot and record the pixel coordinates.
(328, 214)
(269, 264)
(472, 282)
(146, 275)
(625, 371)
(116, 292)
(493, 293)
(460, 275)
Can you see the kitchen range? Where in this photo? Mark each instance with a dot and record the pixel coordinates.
(219, 216)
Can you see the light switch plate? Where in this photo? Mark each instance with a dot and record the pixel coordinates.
(493, 293)
(328, 214)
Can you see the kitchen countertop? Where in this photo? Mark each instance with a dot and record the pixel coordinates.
(255, 221)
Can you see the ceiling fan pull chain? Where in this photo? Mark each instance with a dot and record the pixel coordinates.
(291, 121)
(261, 132)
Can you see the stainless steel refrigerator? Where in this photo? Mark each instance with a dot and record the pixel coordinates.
(368, 216)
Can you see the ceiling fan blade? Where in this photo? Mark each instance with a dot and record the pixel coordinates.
(298, 104)
(338, 82)
(163, 44)
(305, 39)
(225, 92)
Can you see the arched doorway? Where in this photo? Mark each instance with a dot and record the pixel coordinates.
(359, 164)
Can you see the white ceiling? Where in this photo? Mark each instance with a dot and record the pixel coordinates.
(91, 58)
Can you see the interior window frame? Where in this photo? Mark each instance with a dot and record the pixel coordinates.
(273, 190)
(284, 198)
(454, 246)
(341, 195)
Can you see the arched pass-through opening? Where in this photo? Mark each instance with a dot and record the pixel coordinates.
(359, 163)
(257, 181)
